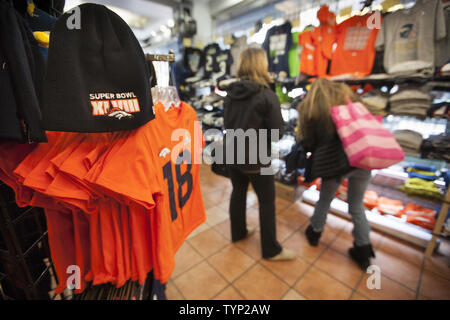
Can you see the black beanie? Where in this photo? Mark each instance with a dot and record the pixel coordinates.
(97, 78)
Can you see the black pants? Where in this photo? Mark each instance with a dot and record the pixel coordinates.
(264, 187)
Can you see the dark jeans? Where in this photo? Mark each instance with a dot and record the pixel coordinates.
(264, 186)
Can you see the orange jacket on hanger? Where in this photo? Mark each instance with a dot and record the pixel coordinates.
(323, 38)
(307, 57)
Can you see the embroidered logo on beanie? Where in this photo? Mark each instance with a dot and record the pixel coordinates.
(97, 78)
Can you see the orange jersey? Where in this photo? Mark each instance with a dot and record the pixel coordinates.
(355, 51)
(307, 57)
(145, 173)
(323, 38)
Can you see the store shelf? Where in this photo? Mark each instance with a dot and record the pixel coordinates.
(387, 224)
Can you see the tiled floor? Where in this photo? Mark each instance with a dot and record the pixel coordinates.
(209, 266)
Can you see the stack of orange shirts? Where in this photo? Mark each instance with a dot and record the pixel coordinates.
(418, 215)
(118, 205)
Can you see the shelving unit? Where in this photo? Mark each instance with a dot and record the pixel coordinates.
(392, 225)
(26, 267)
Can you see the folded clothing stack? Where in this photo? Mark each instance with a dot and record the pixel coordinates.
(376, 102)
(421, 171)
(410, 102)
(409, 140)
(422, 188)
(436, 147)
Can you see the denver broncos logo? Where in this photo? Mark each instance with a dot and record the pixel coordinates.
(119, 114)
(164, 152)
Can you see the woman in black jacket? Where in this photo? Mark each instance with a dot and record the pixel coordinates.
(251, 114)
(330, 163)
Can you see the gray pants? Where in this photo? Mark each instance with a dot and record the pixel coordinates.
(358, 180)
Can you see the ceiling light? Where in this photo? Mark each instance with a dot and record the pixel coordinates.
(170, 23)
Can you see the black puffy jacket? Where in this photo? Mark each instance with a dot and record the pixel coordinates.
(249, 105)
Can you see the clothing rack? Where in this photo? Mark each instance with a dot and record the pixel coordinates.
(21, 278)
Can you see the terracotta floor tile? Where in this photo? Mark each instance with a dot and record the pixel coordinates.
(339, 267)
(336, 223)
(289, 271)
(252, 199)
(318, 285)
(225, 205)
(329, 234)
(284, 230)
(397, 269)
(224, 229)
(342, 243)
(185, 258)
(281, 204)
(439, 265)
(294, 218)
(252, 217)
(358, 296)
(208, 203)
(260, 284)
(208, 242)
(216, 215)
(200, 282)
(231, 262)
(172, 292)
(439, 262)
(251, 246)
(390, 290)
(402, 250)
(299, 244)
(302, 208)
(230, 293)
(434, 286)
(375, 236)
(345, 239)
(216, 197)
(293, 295)
(198, 230)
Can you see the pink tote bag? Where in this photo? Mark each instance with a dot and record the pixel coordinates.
(367, 144)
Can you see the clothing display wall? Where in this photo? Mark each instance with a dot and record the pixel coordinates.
(118, 204)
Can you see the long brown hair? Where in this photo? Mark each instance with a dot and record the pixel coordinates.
(253, 65)
(322, 96)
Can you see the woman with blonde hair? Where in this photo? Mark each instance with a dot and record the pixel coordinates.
(251, 106)
(330, 163)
